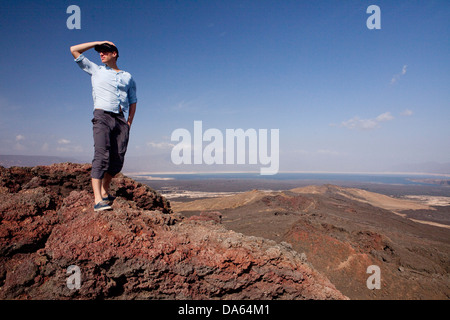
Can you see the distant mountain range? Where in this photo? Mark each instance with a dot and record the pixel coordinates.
(163, 163)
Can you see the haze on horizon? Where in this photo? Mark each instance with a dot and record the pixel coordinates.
(344, 98)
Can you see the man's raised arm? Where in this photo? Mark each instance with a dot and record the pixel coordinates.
(80, 48)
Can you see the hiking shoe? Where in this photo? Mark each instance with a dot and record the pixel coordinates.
(109, 199)
(102, 205)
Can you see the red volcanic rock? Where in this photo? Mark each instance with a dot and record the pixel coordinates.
(141, 249)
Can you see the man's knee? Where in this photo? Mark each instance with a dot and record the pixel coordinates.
(97, 174)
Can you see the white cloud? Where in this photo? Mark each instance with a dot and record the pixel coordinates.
(63, 141)
(18, 146)
(66, 145)
(367, 124)
(407, 113)
(160, 145)
(387, 116)
(357, 123)
(397, 76)
(404, 69)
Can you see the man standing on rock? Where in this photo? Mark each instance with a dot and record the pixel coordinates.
(114, 92)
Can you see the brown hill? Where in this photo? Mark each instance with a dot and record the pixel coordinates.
(372, 198)
(141, 249)
(343, 231)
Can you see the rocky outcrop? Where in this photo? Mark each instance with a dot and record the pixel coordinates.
(140, 250)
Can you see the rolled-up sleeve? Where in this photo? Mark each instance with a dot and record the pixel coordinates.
(85, 64)
(132, 98)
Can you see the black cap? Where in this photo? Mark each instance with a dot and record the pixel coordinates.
(106, 47)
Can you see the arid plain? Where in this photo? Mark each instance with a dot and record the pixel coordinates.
(340, 228)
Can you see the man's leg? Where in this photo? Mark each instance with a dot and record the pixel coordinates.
(106, 181)
(118, 144)
(101, 132)
(101, 187)
(97, 187)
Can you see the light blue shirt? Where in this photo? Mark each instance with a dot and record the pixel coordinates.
(111, 90)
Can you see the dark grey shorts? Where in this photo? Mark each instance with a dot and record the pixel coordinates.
(111, 133)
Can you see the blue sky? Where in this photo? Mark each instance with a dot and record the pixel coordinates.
(345, 98)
